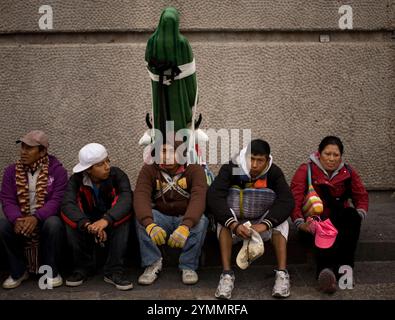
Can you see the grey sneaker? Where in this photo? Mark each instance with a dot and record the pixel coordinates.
(11, 283)
(327, 281)
(151, 273)
(281, 288)
(225, 286)
(189, 276)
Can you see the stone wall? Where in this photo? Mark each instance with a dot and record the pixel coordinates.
(260, 66)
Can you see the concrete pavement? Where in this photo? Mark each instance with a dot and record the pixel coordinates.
(374, 280)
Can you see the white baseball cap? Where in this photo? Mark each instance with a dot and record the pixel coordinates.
(89, 155)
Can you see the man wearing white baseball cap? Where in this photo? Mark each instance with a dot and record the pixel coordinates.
(97, 208)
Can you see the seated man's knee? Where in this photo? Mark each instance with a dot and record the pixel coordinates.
(281, 230)
(351, 215)
(283, 225)
(137, 223)
(223, 232)
(122, 228)
(201, 226)
(53, 224)
(278, 239)
(204, 220)
(159, 217)
(72, 232)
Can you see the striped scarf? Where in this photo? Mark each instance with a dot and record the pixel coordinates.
(22, 187)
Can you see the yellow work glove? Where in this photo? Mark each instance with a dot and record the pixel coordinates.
(179, 237)
(157, 234)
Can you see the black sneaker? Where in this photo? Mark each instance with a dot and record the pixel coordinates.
(119, 280)
(76, 279)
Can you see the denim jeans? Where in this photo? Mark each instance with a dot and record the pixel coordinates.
(190, 254)
(51, 238)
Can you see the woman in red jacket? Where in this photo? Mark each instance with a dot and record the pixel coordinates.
(345, 204)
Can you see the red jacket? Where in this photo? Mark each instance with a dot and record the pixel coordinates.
(337, 187)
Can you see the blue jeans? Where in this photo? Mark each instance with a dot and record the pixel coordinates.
(189, 257)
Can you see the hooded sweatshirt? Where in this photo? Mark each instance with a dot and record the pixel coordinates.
(236, 173)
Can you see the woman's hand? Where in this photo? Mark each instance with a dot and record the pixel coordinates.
(305, 226)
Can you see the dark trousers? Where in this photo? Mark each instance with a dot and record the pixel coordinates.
(51, 239)
(83, 247)
(348, 224)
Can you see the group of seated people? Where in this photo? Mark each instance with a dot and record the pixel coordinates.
(249, 200)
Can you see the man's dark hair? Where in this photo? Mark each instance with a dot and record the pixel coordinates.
(331, 140)
(258, 147)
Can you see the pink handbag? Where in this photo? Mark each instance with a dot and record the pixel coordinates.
(325, 232)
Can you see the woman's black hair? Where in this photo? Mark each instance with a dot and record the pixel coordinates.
(259, 147)
(331, 140)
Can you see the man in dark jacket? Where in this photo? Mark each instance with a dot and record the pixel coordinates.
(31, 194)
(97, 208)
(251, 188)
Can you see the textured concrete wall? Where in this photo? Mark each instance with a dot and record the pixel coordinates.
(140, 15)
(287, 87)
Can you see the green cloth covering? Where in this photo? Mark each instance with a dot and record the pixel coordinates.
(168, 47)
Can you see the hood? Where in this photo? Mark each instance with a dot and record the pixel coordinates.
(242, 162)
(53, 163)
(315, 157)
(86, 180)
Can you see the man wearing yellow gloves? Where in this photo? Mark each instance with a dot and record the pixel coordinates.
(169, 201)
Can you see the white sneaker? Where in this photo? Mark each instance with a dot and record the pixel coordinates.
(11, 283)
(56, 282)
(151, 273)
(225, 286)
(189, 276)
(281, 288)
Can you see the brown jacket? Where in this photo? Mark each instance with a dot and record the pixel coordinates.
(193, 181)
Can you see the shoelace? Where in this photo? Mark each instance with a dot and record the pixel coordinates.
(188, 273)
(119, 277)
(151, 269)
(282, 279)
(227, 281)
